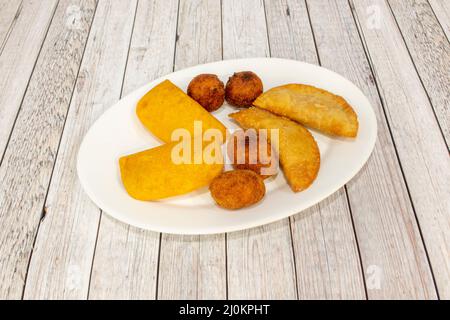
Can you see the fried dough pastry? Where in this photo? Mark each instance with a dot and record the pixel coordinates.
(312, 107)
(152, 174)
(166, 108)
(237, 189)
(298, 151)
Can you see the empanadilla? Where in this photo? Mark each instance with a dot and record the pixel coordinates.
(313, 107)
(166, 108)
(153, 174)
(298, 151)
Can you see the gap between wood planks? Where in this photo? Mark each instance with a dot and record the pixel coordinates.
(29, 77)
(160, 234)
(440, 18)
(345, 186)
(417, 70)
(290, 224)
(120, 96)
(10, 27)
(369, 59)
(44, 209)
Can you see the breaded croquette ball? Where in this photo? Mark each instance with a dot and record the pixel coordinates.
(237, 189)
(207, 90)
(243, 88)
(257, 158)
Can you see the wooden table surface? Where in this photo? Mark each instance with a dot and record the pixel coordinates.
(386, 234)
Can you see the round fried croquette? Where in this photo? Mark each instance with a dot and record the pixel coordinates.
(246, 157)
(237, 189)
(243, 88)
(207, 90)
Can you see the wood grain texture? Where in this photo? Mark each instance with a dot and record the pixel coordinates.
(61, 263)
(194, 267)
(430, 51)
(260, 260)
(399, 199)
(421, 149)
(441, 9)
(324, 233)
(17, 60)
(9, 12)
(29, 159)
(135, 252)
(387, 233)
(199, 33)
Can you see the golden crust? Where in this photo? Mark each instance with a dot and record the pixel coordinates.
(237, 189)
(313, 107)
(298, 151)
(166, 108)
(207, 90)
(243, 88)
(152, 174)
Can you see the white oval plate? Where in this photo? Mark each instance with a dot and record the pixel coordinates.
(118, 132)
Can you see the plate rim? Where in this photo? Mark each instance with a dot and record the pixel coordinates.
(276, 216)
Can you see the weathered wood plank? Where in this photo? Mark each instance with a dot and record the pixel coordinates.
(199, 33)
(421, 149)
(260, 260)
(61, 263)
(430, 51)
(29, 159)
(194, 267)
(9, 11)
(135, 251)
(125, 262)
(384, 218)
(441, 9)
(324, 233)
(17, 60)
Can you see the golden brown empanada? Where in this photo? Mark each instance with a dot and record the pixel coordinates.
(312, 107)
(298, 151)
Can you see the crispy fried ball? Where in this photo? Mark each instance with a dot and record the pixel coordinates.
(243, 88)
(246, 157)
(207, 90)
(237, 189)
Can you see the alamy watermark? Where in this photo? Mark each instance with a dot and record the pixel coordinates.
(243, 147)
(374, 277)
(373, 17)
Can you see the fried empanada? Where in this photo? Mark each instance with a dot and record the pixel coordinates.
(312, 107)
(298, 151)
(166, 108)
(153, 174)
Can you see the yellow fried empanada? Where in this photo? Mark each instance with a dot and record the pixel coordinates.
(312, 107)
(166, 108)
(298, 151)
(153, 174)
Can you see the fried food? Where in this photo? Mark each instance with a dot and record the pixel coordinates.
(257, 157)
(153, 174)
(207, 90)
(312, 107)
(166, 108)
(237, 189)
(298, 151)
(243, 88)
